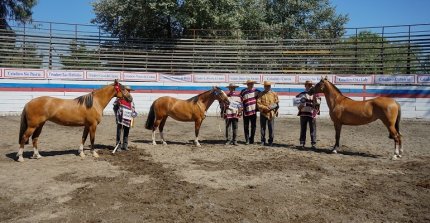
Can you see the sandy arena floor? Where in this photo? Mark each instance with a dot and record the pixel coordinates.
(217, 183)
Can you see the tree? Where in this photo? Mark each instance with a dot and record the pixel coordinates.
(173, 18)
(80, 57)
(372, 54)
(19, 10)
(129, 19)
(24, 56)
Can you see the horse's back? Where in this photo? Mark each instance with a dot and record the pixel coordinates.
(178, 109)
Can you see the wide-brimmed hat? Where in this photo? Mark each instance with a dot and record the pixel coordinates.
(308, 82)
(231, 85)
(267, 83)
(249, 81)
(128, 88)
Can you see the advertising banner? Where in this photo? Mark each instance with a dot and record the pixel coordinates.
(394, 79)
(103, 75)
(353, 79)
(280, 79)
(423, 79)
(65, 74)
(21, 73)
(242, 78)
(210, 78)
(142, 76)
(176, 78)
(313, 78)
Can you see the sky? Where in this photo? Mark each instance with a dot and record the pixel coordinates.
(362, 13)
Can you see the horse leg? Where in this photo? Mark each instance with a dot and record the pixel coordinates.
(338, 128)
(84, 138)
(24, 139)
(156, 124)
(397, 142)
(34, 139)
(93, 129)
(160, 128)
(197, 125)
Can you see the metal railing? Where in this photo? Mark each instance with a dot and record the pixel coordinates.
(385, 50)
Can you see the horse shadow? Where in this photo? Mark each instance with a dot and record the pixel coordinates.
(329, 151)
(29, 154)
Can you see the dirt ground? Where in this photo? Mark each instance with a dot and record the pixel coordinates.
(217, 183)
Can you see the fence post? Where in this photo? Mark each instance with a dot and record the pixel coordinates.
(408, 63)
(356, 51)
(382, 50)
(50, 47)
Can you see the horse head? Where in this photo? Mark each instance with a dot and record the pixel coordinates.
(220, 95)
(121, 92)
(319, 87)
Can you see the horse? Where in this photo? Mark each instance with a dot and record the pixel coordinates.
(345, 111)
(85, 111)
(193, 109)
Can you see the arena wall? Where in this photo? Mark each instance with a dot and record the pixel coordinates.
(16, 92)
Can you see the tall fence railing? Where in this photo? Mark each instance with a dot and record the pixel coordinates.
(368, 50)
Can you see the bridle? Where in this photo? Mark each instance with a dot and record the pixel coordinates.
(119, 88)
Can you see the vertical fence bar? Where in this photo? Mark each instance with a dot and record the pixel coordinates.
(382, 50)
(356, 51)
(408, 63)
(50, 46)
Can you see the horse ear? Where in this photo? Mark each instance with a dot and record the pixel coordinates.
(116, 81)
(322, 78)
(326, 78)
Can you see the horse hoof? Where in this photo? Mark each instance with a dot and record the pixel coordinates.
(82, 154)
(164, 143)
(198, 145)
(154, 143)
(20, 159)
(36, 156)
(396, 157)
(96, 155)
(334, 151)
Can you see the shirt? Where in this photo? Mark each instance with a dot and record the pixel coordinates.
(309, 104)
(268, 104)
(235, 105)
(249, 98)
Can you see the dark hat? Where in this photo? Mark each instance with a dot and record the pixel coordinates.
(231, 85)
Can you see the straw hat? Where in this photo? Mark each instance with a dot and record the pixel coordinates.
(231, 85)
(267, 83)
(250, 82)
(308, 82)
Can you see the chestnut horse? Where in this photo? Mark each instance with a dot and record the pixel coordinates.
(193, 109)
(345, 111)
(85, 111)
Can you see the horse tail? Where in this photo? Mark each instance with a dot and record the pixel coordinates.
(151, 118)
(397, 125)
(23, 126)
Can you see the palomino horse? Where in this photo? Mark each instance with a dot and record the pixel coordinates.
(193, 109)
(85, 111)
(345, 111)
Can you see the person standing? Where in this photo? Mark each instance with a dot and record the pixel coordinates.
(308, 110)
(268, 104)
(124, 113)
(249, 99)
(232, 113)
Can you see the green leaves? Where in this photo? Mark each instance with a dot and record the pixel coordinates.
(238, 18)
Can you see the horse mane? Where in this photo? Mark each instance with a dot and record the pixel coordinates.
(194, 99)
(337, 89)
(85, 99)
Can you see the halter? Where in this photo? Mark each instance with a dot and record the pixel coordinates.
(118, 89)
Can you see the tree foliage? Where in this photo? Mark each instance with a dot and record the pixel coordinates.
(19, 10)
(242, 18)
(80, 57)
(373, 54)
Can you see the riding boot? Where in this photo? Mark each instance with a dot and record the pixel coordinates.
(234, 136)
